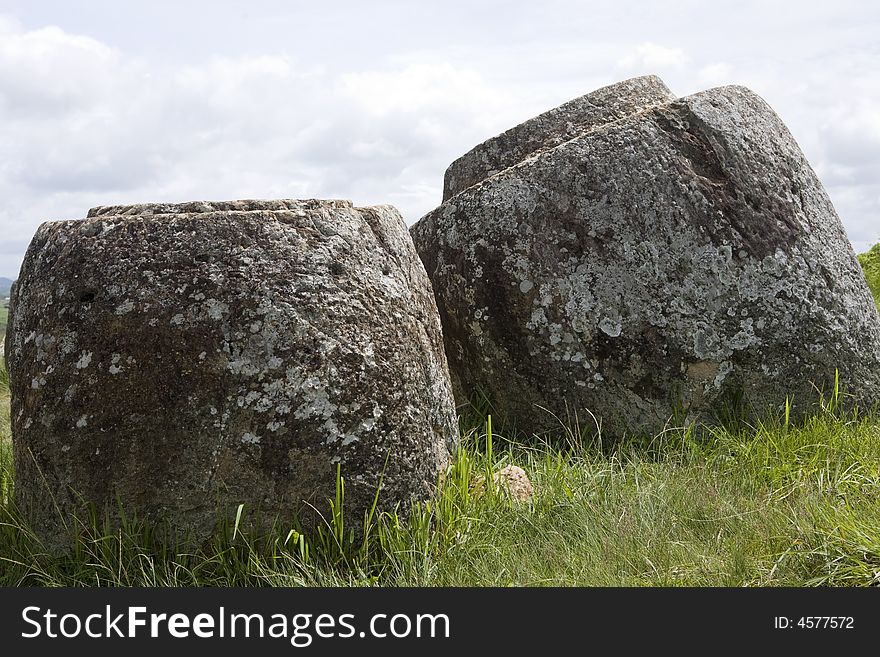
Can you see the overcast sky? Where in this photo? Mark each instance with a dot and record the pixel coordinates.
(104, 101)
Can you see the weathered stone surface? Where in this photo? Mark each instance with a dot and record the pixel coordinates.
(551, 128)
(188, 358)
(679, 264)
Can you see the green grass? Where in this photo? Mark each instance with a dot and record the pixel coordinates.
(871, 264)
(773, 505)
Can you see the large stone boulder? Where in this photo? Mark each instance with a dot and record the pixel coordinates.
(682, 264)
(184, 359)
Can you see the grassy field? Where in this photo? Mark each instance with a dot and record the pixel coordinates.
(775, 505)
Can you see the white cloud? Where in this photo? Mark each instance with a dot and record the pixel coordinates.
(80, 124)
(50, 72)
(717, 74)
(652, 57)
(262, 100)
(418, 88)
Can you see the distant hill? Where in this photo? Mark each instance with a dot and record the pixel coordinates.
(871, 264)
(5, 286)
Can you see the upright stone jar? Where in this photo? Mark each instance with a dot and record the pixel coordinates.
(181, 360)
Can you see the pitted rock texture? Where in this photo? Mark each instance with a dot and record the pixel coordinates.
(185, 359)
(682, 265)
(551, 128)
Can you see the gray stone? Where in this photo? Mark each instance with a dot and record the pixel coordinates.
(184, 359)
(551, 128)
(679, 265)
